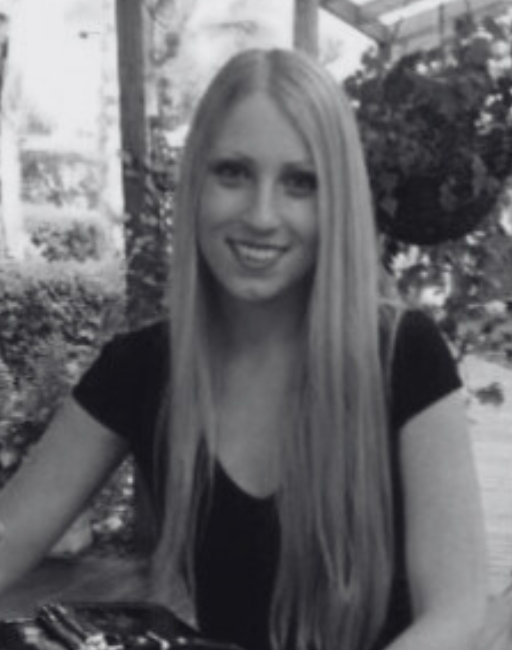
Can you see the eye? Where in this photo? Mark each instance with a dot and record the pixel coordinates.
(230, 173)
(300, 183)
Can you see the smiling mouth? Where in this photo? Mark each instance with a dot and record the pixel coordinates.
(256, 256)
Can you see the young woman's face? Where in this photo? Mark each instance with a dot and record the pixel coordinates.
(258, 224)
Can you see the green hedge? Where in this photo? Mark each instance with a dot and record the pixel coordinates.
(53, 319)
(70, 237)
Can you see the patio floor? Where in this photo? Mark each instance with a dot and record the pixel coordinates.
(491, 430)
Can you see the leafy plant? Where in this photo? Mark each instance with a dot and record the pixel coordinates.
(61, 239)
(39, 300)
(54, 319)
(437, 130)
(61, 179)
(148, 235)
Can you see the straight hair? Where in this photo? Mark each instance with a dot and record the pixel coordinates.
(334, 502)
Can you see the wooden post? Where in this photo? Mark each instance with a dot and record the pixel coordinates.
(131, 64)
(14, 240)
(306, 26)
(132, 58)
(145, 233)
(4, 24)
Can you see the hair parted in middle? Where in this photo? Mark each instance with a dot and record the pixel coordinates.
(334, 503)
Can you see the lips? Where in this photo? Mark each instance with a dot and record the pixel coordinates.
(256, 255)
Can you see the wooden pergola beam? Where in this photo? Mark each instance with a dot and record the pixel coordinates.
(416, 31)
(376, 9)
(424, 29)
(357, 17)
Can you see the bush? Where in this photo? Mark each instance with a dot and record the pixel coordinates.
(60, 178)
(62, 238)
(53, 319)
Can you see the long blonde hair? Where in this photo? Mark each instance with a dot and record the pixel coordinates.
(334, 504)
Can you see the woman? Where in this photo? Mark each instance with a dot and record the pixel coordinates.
(288, 509)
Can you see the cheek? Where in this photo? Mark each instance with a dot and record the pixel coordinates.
(219, 205)
(214, 215)
(311, 239)
(205, 240)
(313, 248)
(207, 221)
(205, 205)
(309, 226)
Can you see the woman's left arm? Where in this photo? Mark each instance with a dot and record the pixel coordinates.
(446, 556)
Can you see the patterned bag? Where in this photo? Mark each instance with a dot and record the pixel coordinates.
(103, 626)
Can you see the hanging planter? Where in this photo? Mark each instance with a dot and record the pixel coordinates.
(420, 217)
(437, 131)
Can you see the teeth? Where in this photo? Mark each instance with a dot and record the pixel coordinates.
(258, 254)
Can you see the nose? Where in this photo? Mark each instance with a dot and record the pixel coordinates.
(263, 213)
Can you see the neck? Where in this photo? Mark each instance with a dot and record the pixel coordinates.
(255, 327)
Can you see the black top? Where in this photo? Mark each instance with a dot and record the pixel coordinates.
(237, 556)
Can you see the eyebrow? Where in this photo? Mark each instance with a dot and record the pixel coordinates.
(300, 164)
(229, 155)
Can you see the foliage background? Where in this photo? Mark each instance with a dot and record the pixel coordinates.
(464, 282)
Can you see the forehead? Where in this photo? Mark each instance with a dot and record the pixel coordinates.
(256, 126)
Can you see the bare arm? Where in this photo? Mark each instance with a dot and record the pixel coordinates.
(444, 528)
(72, 460)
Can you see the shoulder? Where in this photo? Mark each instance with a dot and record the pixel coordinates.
(405, 324)
(134, 354)
(129, 373)
(151, 332)
(418, 335)
(153, 337)
(422, 368)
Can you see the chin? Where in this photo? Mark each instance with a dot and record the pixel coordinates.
(255, 296)
(251, 293)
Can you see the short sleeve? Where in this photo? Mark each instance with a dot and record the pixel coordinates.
(423, 369)
(123, 387)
